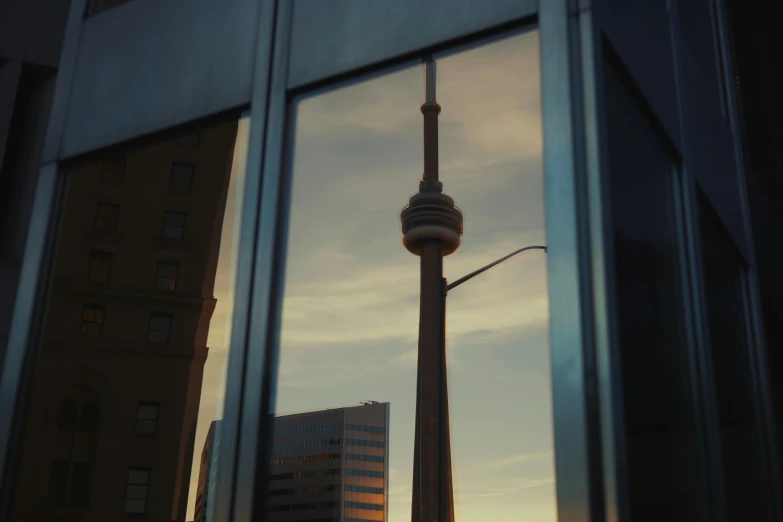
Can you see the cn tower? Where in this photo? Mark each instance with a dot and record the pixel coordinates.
(432, 228)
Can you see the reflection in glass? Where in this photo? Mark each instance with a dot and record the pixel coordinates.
(722, 269)
(182, 178)
(100, 266)
(106, 216)
(350, 330)
(126, 383)
(666, 476)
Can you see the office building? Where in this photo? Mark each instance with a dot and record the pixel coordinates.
(331, 465)
(207, 474)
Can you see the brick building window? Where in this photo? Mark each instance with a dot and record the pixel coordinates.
(166, 275)
(137, 491)
(100, 266)
(147, 418)
(182, 178)
(159, 329)
(106, 217)
(174, 225)
(92, 320)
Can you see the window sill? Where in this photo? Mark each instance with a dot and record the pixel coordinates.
(178, 245)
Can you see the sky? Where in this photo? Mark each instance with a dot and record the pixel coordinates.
(350, 309)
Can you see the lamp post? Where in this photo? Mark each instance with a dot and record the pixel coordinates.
(491, 265)
(432, 226)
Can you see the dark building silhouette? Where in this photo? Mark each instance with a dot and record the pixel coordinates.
(111, 421)
(29, 56)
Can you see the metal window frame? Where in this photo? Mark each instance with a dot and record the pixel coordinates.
(106, 204)
(176, 277)
(136, 419)
(100, 254)
(576, 437)
(160, 315)
(699, 383)
(693, 189)
(102, 322)
(300, 46)
(172, 179)
(29, 308)
(757, 344)
(171, 213)
(146, 490)
(583, 382)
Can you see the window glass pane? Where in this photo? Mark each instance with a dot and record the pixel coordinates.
(158, 322)
(722, 269)
(175, 219)
(174, 225)
(69, 413)
(135, 506)
(666, 473)
(160, 327)
(109, 356)
(92, 321)
(100, 267)
(698, 27)
(146, 427)
(166, 276)
(80, 484)
(136, 490)
(58, 482)
(106, 217)
(182, 177)
(91, 418)
(148, 411)
(350, 325)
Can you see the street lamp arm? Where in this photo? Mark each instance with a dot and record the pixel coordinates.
(484, 269)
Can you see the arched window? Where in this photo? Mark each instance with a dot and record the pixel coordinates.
(90, 420)
(68, 416)
(79, 420)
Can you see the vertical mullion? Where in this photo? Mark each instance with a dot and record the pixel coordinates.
(765, 422)
(693, 288)
(260, 369)
(29, 303)
(704, 386)
(608, 364)
(227, 434)
(574, 388)
(755, 325)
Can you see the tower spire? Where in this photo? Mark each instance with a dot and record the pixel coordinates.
(430, 109)
(429, 79)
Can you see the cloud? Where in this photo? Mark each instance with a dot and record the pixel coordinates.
(410, 357)
(488, 118)
(511, 488)
(513, 460)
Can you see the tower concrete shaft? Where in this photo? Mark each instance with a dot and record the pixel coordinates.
(432, 227)
(432, 483)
